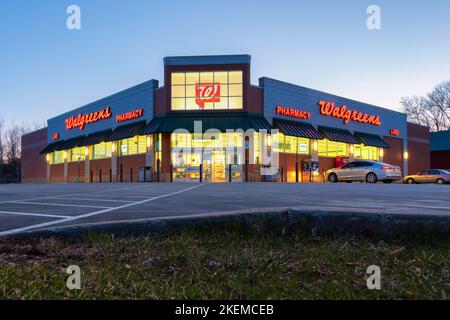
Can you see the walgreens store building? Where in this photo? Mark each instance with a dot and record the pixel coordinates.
(208, 123)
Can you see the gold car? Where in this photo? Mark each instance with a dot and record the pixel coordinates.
(429, 176)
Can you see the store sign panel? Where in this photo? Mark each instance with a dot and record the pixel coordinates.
(82, 120)
(206, 93)
(395, 132)
(329, 109)
(292, 113)
(127, 116)
(55, 136)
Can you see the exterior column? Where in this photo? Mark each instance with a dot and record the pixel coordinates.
(49, 166)
(314, 157)
(352, 153)
(87, 166)
(381, 155)
(149, 154)
(114, 162)
(405, 157)
(66, 168)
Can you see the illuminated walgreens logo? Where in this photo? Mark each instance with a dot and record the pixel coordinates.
(395, 132)
(206, 93)
(331, 110)
(130, 115)
(82, 120)
(293, 113)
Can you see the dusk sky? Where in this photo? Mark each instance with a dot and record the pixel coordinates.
(46, 69)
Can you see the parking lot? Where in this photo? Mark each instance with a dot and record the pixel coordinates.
(33, 207)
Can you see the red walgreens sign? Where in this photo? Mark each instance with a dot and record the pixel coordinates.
(395, 132)
(206, 93)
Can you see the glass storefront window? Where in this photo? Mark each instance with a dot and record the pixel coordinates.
(57, 157)
(366, 152)
(131, 146)
(77, 154)
(332, 149)
(102, 150)
(289, 144)
(218, 90)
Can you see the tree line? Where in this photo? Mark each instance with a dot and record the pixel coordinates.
(10, 149)
(431, 110)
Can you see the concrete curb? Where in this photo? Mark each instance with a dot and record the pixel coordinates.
(315, 221)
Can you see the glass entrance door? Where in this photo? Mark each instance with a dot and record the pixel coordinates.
(218, 170)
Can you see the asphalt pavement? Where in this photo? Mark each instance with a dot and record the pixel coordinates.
(38, 207)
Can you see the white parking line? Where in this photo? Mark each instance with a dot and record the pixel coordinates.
(90, 199)
(47, 224)
(34, 214)
(59, 204)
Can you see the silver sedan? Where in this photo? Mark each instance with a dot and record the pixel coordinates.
(364, 170)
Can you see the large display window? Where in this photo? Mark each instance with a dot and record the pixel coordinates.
(217, 90)
(289, 144)
(77, 154)
(132, 146)
(332, 149)
(102, 150)
(366, 152)
(57, 157)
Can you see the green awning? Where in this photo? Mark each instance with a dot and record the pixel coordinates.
(51, 147)
(70, 144)
(371, 140)
(125, 132)
(220, 121)
(297, 129)
(95, 138)
(338, 135)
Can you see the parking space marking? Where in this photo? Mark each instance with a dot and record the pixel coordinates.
(91, 199)
(34, 214)
(59, 204)
(74, 218)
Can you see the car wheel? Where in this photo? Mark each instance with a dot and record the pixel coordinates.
(440, 181)
(371, 178)
(387, 181)
(333, 178)
(410, 181)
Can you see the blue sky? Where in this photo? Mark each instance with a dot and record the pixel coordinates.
(46, 69)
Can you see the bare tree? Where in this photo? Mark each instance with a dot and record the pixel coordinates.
(433, 110)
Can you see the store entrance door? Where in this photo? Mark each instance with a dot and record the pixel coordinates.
(218, 166)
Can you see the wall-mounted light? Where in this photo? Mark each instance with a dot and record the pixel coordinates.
(47, 157)
(381, 152)
(352, 149)
(86, 151)
(149, 142)
(315, 145)
(65, 155)
(269, 141)
(406, 155)
(113, 147)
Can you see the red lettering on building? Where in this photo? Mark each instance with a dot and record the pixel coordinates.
(293, 113)
(83, 119)
(395, 132)
(206, 93)
(55, 136)
(130, 115)
(330, 110)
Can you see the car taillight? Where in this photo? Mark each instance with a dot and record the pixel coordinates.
(386, 168)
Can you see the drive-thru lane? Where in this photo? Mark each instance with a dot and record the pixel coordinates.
(32, 207)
